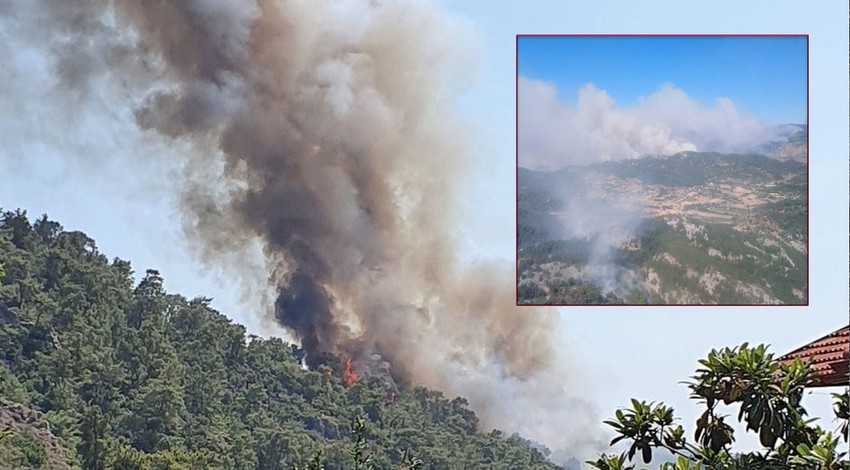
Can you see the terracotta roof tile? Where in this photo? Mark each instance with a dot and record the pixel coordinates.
(829, 357)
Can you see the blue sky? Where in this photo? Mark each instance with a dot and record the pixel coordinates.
(618, 353)
(764, 75)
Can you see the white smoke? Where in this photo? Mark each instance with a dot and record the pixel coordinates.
(553, 134)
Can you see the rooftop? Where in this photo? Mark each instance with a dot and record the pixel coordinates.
(829, 357)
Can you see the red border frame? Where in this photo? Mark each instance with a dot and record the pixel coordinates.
(516, 169)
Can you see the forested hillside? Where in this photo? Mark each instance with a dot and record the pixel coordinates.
(120, 374)
(689, 229)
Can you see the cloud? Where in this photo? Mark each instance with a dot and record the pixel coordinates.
(553, 134)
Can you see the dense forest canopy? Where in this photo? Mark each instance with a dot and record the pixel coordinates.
(122, 374)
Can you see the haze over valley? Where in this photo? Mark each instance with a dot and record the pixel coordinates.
(689, 228)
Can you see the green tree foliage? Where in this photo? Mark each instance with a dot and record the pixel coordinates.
(21, 451)
(572, 292)
(132, 377)
(768, 395)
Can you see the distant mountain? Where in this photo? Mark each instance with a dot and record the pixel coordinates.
(790, 142)
(691, 228)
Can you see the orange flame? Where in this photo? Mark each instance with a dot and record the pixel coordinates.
(348, 374)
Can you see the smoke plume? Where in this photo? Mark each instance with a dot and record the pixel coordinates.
(607, 222)
(553, 134)
(324, 131)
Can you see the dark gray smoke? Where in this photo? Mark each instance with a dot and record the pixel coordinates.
(323, 130)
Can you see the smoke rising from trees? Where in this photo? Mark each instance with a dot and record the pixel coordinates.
(323, 132)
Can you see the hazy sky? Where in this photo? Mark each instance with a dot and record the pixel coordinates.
(645, 352)
(622, 352)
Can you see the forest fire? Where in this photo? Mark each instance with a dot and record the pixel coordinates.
(348, 374)
(304, 150)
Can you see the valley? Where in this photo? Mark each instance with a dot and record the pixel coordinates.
(689, 229)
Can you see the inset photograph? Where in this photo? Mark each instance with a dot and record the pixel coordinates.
(662, 170)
